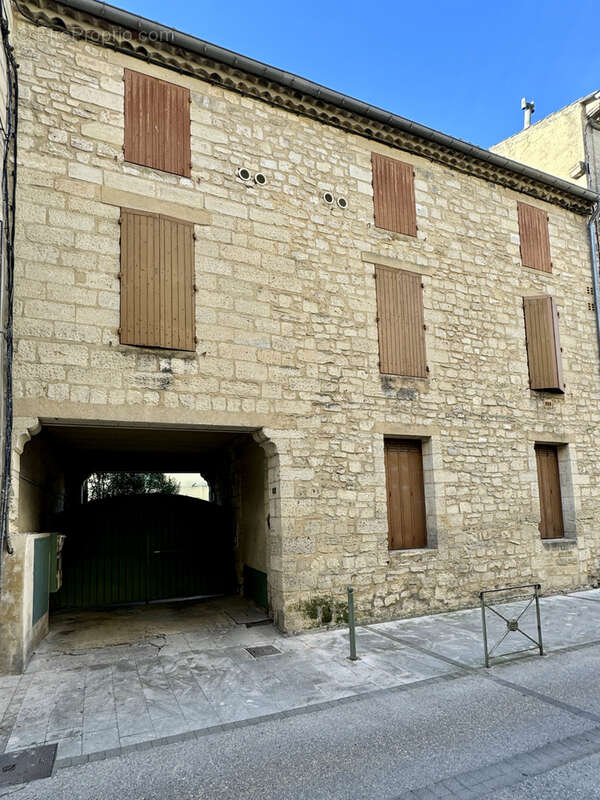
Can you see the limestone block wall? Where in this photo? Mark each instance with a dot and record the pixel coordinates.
(287, 333)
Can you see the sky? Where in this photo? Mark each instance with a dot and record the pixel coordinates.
(460, 67)
(191, 484)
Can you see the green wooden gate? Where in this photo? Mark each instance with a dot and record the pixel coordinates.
(142, 548)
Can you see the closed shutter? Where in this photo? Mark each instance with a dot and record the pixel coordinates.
(400, 322)
(157, 281)
(543, 344)
(534, 236)
(394, 195)
(157, 123)
(551, 524)
(405, 494)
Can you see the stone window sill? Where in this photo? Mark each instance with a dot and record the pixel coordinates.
(161, 352)
(414, 551)
(565, 543)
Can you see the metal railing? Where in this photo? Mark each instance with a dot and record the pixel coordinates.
(513, 624)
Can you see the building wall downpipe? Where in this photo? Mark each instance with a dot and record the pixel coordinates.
(593, 230)
(592, 174)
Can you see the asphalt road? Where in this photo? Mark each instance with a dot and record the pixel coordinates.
(526, 730)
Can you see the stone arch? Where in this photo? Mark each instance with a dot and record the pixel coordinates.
(24, 429)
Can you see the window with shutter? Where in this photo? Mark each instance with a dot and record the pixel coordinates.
(400, 322)
(534, 236)
(405, 494)
(543, 344)
(394, 195)
(551, 523)
(157, 281)
(157, 123)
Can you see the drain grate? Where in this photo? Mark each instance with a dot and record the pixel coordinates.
(263, 650)
(24, 766)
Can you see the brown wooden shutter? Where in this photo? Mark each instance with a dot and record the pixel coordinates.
(157, 281)
(534, 236)
(394, 195)
(406, 494)
(543, 344)
(551, 524)
(400, 322)
(157, 123)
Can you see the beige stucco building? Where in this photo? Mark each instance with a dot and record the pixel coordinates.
(565, 143)
(379, 437)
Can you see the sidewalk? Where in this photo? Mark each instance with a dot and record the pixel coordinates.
(103, 701)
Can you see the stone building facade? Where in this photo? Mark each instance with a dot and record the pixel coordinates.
(287, 354)
(566, 143)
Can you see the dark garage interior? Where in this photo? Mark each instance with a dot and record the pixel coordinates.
(147, 548)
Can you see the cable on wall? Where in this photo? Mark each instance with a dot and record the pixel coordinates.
(8, 140)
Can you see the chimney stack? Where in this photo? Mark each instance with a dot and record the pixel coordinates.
(528, 106)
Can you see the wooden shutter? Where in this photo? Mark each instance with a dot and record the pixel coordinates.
(551, 524)
(400, 322)
(535, 240)
(157, 281)
(394, 195)
(543, 344)
(406, 494)
(157, 123)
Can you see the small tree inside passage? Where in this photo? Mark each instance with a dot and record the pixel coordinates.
(112, 484)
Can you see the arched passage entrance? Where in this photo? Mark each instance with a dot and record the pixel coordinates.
(218, 547)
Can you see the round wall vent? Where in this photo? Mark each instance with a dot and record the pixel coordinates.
(260, 178)
(243, 173)
(342, 202)
(328, 198)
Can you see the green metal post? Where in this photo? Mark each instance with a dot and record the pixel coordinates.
(484, 628)
(539, 619)
(352, 624)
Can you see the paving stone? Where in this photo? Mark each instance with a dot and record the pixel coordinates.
(69, 746)
(101, 740)
(138, 697)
